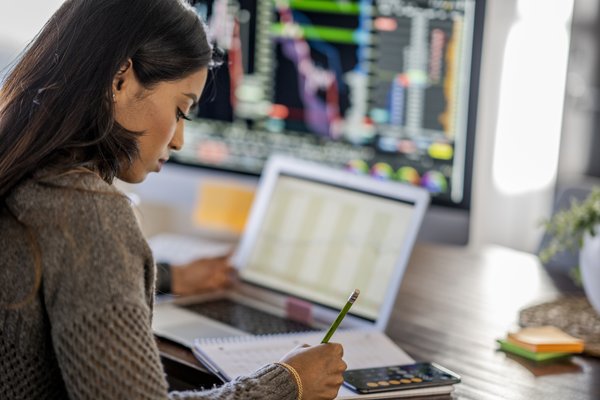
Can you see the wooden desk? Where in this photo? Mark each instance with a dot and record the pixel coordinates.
(454, 303)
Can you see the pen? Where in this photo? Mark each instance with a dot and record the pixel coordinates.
(341, 316)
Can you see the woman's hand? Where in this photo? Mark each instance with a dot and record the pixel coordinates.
(201, 276)
(320, 368)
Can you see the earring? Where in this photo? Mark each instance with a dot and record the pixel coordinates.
(114, 98)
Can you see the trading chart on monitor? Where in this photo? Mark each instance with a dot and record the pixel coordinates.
(379, 87)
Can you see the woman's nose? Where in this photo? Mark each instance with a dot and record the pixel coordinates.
(177, 141)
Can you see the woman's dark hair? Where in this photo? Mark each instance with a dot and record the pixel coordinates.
(56, 106)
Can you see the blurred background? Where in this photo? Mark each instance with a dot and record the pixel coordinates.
(537, 120)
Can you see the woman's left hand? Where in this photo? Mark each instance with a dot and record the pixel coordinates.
(202, 275)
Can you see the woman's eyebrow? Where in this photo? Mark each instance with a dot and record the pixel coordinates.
(192, 96)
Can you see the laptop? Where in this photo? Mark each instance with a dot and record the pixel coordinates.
(314, 234)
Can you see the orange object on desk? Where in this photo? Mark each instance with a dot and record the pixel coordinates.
(546, 339)
(223, 206)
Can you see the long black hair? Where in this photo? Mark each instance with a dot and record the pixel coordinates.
(56, 106)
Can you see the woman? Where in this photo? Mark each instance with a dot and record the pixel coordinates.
(102, 93)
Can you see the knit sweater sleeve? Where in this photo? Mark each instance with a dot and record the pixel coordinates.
(98, 281)
(111, 354)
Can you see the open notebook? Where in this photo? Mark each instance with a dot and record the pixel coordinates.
(235, 356)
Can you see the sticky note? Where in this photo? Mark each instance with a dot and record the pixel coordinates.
(546, 338)
(223, 206)
(515, 349)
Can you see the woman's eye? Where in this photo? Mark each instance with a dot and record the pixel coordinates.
(180, 115)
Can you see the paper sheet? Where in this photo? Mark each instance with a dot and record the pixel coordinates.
(180, 249)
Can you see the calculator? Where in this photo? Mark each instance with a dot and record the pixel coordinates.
(399, 377)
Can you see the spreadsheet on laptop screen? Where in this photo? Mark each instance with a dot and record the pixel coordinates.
(318, 242)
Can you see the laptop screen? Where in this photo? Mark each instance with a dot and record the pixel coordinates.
(319, 241)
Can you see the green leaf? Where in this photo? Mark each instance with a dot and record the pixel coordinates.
(567, 227)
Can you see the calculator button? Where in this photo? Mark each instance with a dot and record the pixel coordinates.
(372, 384)
(394, 382)
(405, 380)
(383, 383)
(417, 380)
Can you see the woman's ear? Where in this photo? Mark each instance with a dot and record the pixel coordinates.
(123, 81)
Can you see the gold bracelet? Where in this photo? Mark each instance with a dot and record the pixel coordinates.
(296, 378)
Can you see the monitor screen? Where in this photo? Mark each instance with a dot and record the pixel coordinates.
(319, 241)
(386, 88)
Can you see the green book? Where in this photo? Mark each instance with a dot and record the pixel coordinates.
(515, 349)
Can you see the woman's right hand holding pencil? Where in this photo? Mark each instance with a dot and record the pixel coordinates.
(318, 368)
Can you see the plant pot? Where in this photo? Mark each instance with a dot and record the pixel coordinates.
(589, 264)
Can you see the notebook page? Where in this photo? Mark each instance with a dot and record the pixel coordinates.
(243, 354)
(234, 356)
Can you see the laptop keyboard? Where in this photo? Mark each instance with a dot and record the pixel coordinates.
(246, 318)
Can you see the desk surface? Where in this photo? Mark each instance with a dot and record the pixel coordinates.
(454, 303)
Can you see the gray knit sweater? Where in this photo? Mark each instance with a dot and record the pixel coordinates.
(86, 333)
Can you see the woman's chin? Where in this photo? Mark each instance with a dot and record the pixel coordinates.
(134, 177)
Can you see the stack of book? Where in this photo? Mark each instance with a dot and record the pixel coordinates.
(541, 343)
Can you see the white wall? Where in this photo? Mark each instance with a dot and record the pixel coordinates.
(582, 94)
(522, 90)
(19, 23)
(516, 148)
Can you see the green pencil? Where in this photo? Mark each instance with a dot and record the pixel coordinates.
(340, 316)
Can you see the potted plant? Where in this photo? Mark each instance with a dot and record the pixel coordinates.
(577, 229)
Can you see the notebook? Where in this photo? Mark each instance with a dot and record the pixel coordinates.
(236, 356)
(313, 235)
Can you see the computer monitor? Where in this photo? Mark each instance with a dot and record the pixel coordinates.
(386, 88)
